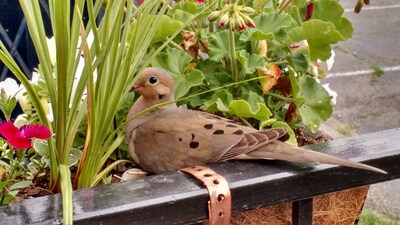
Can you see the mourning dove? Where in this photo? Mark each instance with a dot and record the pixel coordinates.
(169, 138)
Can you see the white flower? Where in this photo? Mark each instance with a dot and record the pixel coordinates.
(21, 121)
(330, 61)
(328, 64)
(10, 87)
(331, 93)
(35, 77)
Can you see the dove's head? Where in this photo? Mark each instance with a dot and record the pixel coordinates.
(155, 85)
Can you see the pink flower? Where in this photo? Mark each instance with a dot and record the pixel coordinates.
(20, 138)
(200, 1)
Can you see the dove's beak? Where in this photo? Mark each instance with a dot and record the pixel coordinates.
(136, 86)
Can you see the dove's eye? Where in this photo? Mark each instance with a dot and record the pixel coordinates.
(153, 80)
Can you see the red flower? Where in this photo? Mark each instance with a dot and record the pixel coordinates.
(310, 9)
(200, 1)
(20, 138)
(251, 24)
(242, 27)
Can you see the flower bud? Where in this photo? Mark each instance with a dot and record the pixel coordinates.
(247, 20)
(310, 9)
(214, 16)
(262, 48)
(232, 23)
(358, 7)
(241, 25)
(224, 19)
(247, 10)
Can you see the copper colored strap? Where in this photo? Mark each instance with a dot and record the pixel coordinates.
(219, 206)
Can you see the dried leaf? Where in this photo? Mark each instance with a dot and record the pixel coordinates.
(292, 114)
(271, 73)
(190, 43)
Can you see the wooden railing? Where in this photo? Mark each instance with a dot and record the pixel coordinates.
(176, 198)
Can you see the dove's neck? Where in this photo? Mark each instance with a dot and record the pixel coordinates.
(139, 106)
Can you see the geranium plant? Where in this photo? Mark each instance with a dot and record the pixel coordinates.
(283, 43)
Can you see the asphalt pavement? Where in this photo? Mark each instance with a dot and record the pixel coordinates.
(366, 76)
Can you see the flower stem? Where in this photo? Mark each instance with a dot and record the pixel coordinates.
(244, 121)
(284, 5)
(279, 97)
(211, 25)
(232, 52)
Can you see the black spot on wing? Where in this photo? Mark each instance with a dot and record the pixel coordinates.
(219, 132)
(208, 126)
(285, 137)
(239, 132)
(231, 125)
(194, 144)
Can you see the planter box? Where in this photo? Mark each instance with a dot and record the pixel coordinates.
(176, 198)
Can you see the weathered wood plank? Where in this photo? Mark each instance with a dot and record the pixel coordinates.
(175, 198)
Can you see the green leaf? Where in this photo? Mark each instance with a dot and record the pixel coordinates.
(319, 35)
(181, 15)
(299, 3)
(244, 109)
(7, 105)
(185, 82)
(293, 11)
(20, 184)
(255, 35)
(251, 106)
(299, 59)
(273, 123)
(178, 69)
(7, 198)
(66, 190)
(214, 74)
(41, 147)
(185, 6)
(250, 62)
(332, 11)
(74, 157)
(167, 27)
(292, 136)
(219, 101)
(312, 101)
(260, 4)
(219, 45)
(185, 10)
(277, 24)
(4, 183)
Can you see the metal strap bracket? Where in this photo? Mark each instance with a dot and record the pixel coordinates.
(220, 203)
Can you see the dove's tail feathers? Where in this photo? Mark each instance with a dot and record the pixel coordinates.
(282, 151)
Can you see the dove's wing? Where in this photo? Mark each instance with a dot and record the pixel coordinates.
(174, 138)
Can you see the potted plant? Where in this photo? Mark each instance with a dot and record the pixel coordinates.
(258, 61)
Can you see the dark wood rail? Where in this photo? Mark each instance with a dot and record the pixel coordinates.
(176, 198)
